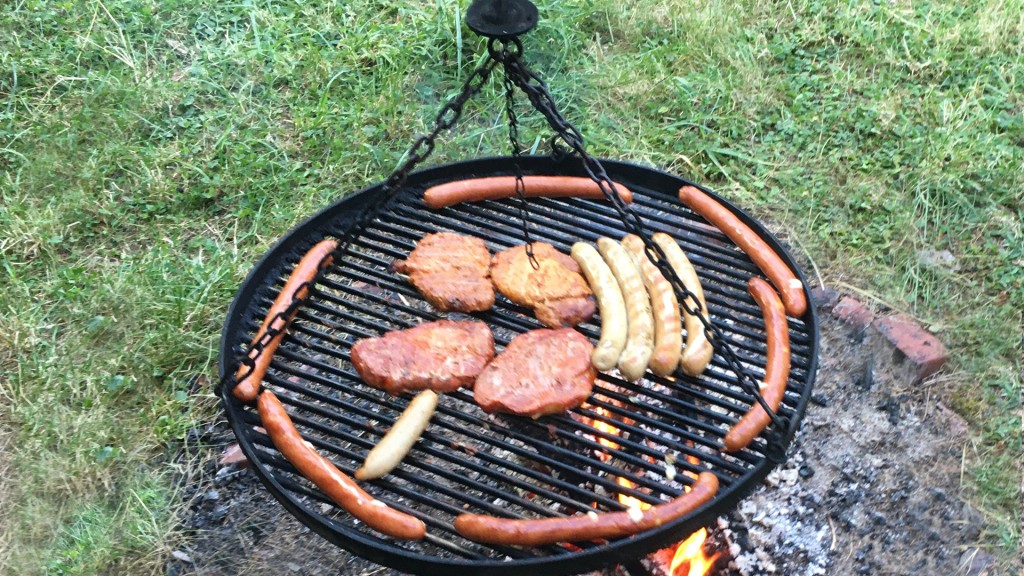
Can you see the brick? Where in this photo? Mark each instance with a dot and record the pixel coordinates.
(853, 312)
(233, 455)
(824, 297)
(920, 347)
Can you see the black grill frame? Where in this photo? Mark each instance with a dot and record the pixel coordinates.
(715, 258)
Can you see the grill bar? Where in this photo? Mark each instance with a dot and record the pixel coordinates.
(470, 461)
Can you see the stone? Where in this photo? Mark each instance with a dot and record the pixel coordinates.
(976, 562)
(921, 348)
(824, 297)
(853, 312)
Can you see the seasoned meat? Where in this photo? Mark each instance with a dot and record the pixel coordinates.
(556, 290)
(441, 356)
(452, 271)
(539, 372)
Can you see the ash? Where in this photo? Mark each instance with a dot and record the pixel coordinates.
(872, 482)
(782, 530)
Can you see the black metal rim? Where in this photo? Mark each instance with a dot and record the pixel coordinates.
(302, 236)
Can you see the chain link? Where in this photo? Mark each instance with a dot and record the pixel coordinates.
(506, 54)
(419, 151)
(540, 97)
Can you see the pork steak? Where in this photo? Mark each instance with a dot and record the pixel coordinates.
(442, 356)
(451, 271)
(557, 292)
(539, 372)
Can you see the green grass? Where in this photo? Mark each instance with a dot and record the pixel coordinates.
(151, 151)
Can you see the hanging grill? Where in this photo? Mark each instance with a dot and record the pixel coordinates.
(468, 461)
(642, 440)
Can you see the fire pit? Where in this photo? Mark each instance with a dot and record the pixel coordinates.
(656, 433)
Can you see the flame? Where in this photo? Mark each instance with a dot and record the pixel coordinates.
(689, 558)
(629, 500)
(608, 429)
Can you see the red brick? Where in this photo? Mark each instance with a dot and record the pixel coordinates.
(233, 455)
(853, 312)
(921, 347)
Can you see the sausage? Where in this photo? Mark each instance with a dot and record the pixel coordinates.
(698, 351)
(248, 386)
(505, 531)
(334, 483)
(788, 285)
(776, 367)
(399, 440)
(640, 337)
(498, 187)
(609, 300)
(668, 325)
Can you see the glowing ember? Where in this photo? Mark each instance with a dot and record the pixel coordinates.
(690, 559)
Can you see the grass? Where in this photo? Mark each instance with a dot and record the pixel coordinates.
(151, 151)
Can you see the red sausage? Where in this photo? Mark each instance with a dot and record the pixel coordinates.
(498, 187)
(776, 369)
(493, 530)
(767, 260)
(335, 484)
(249, 386)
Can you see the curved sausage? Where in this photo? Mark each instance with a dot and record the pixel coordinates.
(698, 351)
(788, 285)
(335, 484)
(248, 387)
(609, 300)
(498, 187)
(668, 325)
(776, 368)
(399, 440)
(640, 338)
(494, 530)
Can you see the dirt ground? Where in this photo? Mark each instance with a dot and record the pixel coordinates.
(872, 486)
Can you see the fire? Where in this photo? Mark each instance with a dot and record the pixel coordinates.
(608, 429)
(629, 500)
(690, 558)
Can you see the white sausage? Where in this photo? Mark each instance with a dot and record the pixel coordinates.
(640, 338)
(399, 440)
(699, 350)
(668, 324)
(609, 300)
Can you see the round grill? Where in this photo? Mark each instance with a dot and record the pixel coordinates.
(468, 461)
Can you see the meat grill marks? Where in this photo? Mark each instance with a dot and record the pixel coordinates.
(442, 356)
(540, 372)
(452, 271)
(557, 292)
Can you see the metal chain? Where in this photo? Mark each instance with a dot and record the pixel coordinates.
(537, 91)
(419, 151)
(504, 52)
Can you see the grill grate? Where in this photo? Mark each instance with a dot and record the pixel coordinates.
(467, 460)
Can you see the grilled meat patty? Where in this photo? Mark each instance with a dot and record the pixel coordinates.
(556, 291)
(452, 271)
(539, 372)
(442, 356)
